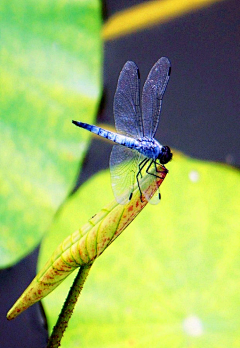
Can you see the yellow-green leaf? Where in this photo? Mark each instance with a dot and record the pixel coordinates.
(49, 73)
(171, 279)
(86, 244)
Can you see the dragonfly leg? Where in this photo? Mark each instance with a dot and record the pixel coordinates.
(131, 193)
(157, 171)
(156, 176)
(140, 167)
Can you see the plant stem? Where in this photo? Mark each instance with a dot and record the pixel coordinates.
(68, 307)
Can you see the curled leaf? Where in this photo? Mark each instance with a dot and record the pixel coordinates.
(87, 243)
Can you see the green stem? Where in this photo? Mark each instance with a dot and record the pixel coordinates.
(68, 307)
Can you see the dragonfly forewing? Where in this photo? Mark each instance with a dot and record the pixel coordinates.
(126, 107)
(153, 91)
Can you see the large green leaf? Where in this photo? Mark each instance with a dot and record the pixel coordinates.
(49, 73)
(172, 278)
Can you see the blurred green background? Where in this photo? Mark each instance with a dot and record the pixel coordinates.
(171, 279)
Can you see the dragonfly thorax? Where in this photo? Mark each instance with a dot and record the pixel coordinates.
(151, 148)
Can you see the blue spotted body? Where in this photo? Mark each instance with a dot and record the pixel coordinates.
(136, 148)
(146, 146)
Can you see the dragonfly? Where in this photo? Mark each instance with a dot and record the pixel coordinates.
(136, 152)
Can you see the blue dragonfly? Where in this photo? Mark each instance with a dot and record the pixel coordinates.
(136, 151)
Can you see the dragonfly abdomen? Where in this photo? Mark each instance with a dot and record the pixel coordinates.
(115, 137)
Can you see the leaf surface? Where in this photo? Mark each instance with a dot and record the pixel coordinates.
(50, 73)
(171, 279)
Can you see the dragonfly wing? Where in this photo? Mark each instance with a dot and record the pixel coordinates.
(126, 106)
(123, 168)
(153, 91)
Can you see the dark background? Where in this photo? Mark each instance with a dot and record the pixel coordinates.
(201, 107)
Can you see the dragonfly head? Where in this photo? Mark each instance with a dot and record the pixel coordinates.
(165, 155)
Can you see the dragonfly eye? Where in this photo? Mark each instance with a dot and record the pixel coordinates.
(166, 155)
